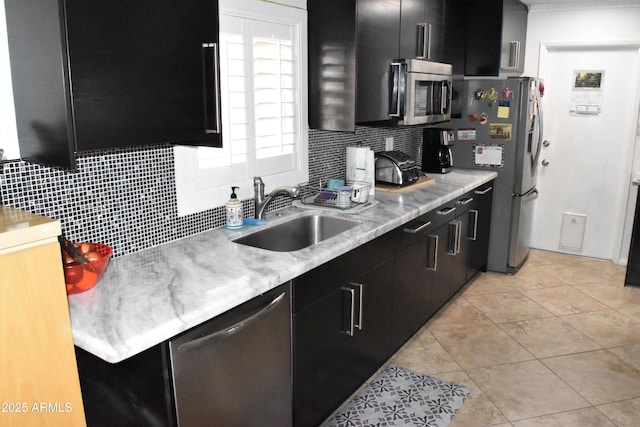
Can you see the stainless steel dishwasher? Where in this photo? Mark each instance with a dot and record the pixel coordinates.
(235, 370)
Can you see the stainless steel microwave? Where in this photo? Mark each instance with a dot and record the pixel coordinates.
(420, 91)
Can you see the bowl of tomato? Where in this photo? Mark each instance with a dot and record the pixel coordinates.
(84, 265)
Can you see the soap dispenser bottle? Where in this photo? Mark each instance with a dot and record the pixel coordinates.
(234, 210)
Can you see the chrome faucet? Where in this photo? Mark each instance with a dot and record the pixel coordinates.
(262, 201)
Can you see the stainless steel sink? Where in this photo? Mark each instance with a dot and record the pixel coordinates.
(298, 233)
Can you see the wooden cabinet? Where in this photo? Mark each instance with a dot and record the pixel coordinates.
(104, 74)
(422, 29)
(39, 384)
(496, 37)
(341, 328)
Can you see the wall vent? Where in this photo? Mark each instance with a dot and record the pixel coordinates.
(572, 231)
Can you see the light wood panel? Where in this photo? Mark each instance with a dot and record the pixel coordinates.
(39, 383)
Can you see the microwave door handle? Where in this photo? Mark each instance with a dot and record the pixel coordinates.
(444, 100)
(394, 104)
(427, 42)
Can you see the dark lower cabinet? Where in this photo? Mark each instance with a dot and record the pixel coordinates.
(415, 291)
(478, 231)
(349, 316)
(632, 276)
(438, 254)
(341, 339)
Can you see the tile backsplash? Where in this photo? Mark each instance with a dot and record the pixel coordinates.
(126, 197)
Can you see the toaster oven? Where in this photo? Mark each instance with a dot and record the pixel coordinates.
(396, 168)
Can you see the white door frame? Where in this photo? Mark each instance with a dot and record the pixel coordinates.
(621, 213)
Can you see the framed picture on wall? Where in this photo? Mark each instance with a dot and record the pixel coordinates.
(588, 79)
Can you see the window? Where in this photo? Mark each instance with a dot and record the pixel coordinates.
(8, 131)
(264, 108)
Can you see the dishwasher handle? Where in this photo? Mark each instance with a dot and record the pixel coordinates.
(235, 328)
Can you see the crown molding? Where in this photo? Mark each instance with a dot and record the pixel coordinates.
(584, 5)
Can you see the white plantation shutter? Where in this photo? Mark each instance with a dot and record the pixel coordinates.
(263, 88)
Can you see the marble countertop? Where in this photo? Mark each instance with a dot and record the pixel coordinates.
(150, 296)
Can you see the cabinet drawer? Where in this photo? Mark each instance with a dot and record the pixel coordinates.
(414, 230)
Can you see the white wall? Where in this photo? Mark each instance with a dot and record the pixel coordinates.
(580, 22)
(587, 22)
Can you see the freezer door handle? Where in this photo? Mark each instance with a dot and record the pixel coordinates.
(531, 196)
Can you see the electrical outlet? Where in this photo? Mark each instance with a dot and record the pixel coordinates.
(388, 143)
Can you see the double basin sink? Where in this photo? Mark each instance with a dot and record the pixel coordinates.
(298, 233)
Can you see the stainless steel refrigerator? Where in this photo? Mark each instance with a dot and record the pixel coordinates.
(500, 129)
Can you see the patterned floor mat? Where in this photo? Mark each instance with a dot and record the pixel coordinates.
(400, 397)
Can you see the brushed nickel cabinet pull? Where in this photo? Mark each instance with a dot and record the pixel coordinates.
(350, 327)
(433, 266)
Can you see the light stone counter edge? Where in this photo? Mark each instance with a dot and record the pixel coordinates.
(150, 296)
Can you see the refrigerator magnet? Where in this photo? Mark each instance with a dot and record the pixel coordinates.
(488, 155)
(483, 119)
(500, 131)
(466, 135)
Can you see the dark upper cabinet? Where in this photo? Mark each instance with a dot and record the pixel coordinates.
(378, 39)
(496, 37)
(352, 44)
(422, 29)
(99, 74)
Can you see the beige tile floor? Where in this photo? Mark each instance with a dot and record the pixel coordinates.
(556, 344)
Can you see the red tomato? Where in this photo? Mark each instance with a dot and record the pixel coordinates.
(89, 279)
(73, 274)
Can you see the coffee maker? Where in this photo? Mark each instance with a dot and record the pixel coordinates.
(436, 150)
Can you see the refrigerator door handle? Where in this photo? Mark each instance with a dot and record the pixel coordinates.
(534, 161)
(531, 196)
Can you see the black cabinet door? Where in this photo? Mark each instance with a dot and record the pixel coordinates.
(478, 230)
(117, 73)
(514, 35)
(422, 29)
(340, 341)
(435, 18)
(143, 73)
(413, 29)
(413, 299)
(451, 260)
(332, 64)
(443, 264)
(496, 31)
(378, 39)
